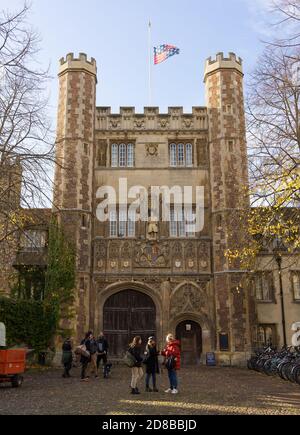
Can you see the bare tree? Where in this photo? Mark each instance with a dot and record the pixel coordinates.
(273, 127)
(26, 142)
(288, 12)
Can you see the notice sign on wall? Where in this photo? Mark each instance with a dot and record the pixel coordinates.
(211, 359)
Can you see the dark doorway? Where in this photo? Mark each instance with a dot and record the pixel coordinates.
(190, 335)
(125, 315)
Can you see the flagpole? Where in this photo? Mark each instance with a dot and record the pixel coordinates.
(150, 63)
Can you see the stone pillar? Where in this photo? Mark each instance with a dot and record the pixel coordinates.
(75, 154)
(229, 194)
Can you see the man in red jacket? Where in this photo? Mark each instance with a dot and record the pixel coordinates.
(172, 362)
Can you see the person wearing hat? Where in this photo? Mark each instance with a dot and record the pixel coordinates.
(152, 365)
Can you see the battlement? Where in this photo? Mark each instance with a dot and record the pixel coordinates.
(71, 63)
(151, 119)
(152, 111)
(222, 62)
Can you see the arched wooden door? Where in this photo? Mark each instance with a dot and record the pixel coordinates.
(190, 335)
(125, 315)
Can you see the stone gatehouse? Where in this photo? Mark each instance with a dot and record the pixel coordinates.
(152, 278)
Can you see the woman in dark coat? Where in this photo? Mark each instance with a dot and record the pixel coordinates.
(152, 365)
(67, 357)
(135, 348)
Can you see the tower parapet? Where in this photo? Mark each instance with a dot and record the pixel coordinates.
(220, 62)
(80, 63)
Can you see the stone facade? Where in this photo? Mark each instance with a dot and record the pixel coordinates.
(188, 279)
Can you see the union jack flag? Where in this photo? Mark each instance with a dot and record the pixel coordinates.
(163, 52)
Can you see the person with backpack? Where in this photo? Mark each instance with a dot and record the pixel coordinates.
(102, 351)
(152, 365)
(85, 358)
(67, 357)
(172, 362)
(135, 349)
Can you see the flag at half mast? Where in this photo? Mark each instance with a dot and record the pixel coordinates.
(163, 52)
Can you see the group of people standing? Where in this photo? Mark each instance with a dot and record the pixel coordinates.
(94, 351)
(91, 352)
(97, 350)
(149, 358)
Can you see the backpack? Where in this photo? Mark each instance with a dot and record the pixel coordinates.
(129, 359)
(81, 350)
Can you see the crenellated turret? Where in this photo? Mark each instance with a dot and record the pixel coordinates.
(75, 151)
(228, 180)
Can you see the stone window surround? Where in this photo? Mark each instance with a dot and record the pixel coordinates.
(186, 143)
(292, 274)
(260, 275)
(119, 143)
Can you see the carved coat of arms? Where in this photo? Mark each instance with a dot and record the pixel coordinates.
(152, 255)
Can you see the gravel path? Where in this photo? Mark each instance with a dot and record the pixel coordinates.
(202, 391)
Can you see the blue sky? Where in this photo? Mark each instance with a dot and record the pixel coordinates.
(115, 33)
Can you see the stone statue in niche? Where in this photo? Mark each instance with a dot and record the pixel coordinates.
(152, 232)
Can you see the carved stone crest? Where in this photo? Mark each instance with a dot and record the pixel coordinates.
(115, 123)
(152, 254)
(139, 123)
(191, 264)
(152, 150)
(187, 123)
(164, 123)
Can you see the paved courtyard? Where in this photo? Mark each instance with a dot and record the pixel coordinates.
(202, 391)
